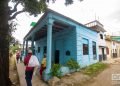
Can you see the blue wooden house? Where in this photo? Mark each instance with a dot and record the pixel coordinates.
(62, 38)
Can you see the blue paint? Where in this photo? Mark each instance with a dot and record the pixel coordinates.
(62, 41)
(85, 35)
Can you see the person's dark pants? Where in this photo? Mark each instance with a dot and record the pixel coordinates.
(28, 77)
(17, 59)
(20, 59)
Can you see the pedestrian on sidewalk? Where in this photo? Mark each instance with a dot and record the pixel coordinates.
(30, 62)
(21, 54)
(43, 65)
(17, 56)
(28, 70)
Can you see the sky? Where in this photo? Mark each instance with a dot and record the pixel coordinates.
(106, 11)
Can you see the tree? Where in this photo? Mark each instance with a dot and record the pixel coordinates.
(7, 14)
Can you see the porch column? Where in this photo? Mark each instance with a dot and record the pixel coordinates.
(32, 44)
(49, 44)
(26, 48)
(23, 44)
(23, 50)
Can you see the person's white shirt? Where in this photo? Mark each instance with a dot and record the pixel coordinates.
(33, 62)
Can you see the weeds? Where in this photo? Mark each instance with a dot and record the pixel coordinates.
(94, 69)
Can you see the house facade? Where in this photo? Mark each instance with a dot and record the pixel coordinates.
(113, 47)
(108, 47)
(96, 25)
(61, 38)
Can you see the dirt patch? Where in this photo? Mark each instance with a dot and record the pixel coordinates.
(80, 78)
(74, 79)
(13, 72)
(105, 77)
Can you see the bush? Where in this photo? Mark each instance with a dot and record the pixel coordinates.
(55, 70)
(72, 64)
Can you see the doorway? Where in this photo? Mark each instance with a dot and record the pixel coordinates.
(57, 55)
(103, 54)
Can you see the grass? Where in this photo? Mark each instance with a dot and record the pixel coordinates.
(94, 69)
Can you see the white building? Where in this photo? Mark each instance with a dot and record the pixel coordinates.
(97, 26)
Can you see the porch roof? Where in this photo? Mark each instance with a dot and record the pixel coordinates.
(59, 28)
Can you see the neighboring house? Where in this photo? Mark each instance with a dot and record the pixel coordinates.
(62, 38)
(118, 49)
(113, 46)
(108, 47)
(96, 25)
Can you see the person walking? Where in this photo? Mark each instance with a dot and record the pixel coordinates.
(28, 70)
(17, 56)
(43, 65)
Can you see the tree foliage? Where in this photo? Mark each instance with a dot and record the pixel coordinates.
(33, 7)
(14, 48)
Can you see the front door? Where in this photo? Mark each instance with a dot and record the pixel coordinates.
(103, 54)
(57, 54)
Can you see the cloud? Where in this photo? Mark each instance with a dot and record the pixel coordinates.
(115, 15)
(108, 12)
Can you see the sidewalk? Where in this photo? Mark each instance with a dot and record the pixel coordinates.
(21, 73)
